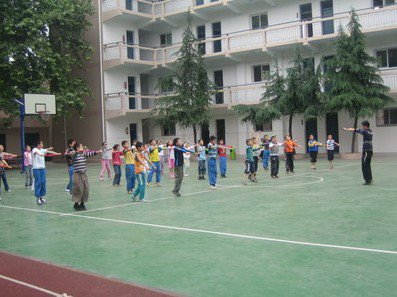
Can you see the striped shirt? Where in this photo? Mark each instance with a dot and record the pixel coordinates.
(330, 144)
(367, 139)
(201, 151)
(212, 150)
(79, 161)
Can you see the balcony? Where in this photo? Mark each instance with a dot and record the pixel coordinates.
(120, 104)
(239, 44)
(136, 10)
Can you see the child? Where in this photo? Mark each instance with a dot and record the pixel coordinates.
(186, 157)
(105, 161)
(3, 165)
(330, 150)
(161, 155)
(255, 154)
(265, 152)
(80, 190)
(289, 148)
(116, 165)
(249, 171)
(171, 159)
(178, 155)
(201, 160)
(129, 165)
(154, 158)
(213, 152)
(274, 150)
(69, 150)
(367, 151)
(222, 159)
(39, 171)
(3, 157)
(28, 162)
(313, 151)
(141, 165)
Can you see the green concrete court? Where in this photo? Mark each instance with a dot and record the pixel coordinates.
(307, 234)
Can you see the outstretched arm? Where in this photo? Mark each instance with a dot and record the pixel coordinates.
(349, 129)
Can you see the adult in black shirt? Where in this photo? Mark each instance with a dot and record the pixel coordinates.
(367, 151)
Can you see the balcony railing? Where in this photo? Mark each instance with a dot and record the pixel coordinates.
(118, 104)
(290, 33)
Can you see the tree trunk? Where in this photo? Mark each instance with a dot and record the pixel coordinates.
(195, 135)
(353, 148)
(291, 116)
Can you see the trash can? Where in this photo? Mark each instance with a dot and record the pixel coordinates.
(233, 154)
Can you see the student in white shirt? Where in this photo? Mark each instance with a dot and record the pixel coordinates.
(39, 171)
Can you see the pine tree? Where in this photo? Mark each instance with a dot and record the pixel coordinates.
(189, 106)
(356, 85)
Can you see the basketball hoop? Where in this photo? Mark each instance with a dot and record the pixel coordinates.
(44, 116)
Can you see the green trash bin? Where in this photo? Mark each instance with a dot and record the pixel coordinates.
(233, 154)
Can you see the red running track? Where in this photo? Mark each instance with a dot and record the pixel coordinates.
(39, 279)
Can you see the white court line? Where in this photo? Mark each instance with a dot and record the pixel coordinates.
(30, 286)
(224, 234)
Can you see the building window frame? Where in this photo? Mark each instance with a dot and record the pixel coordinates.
(260, 20)
(387, 117)
(168, 129)
(264, 127)
(387, 51)
(166, 39)
(376, 4)
(264, 73)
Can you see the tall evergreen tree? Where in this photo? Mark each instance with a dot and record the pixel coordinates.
(41, 42)
(189, 106)
(298, 93)
(356, 84)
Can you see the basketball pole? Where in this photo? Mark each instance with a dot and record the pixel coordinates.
(22, 131)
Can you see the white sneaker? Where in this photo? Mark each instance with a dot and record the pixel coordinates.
(39, 202)
(67, 190)
(43, 200)
(8, 191)
(213, 187)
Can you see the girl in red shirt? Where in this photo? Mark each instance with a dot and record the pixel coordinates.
(116, 153)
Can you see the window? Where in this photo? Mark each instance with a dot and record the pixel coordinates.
(259, 21)
(166, 84)
(261, 73)
(387, 117)
(387, 58)
(381, 3)
(166, 39)
(168, 129)
(199, 2)
(267, 126)
(217, 32)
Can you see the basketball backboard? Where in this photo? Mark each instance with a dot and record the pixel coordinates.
(40, 104)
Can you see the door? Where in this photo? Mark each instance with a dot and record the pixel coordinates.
(201, 36)
(217, 32)
(218, 80)
(311, 128)
(131, 93)
(332, 127)
(327, 10)
(31, 139)
(133, 132)
(205, 133)
(3, 141)
(130, 41)
(220, 130)
(306, 15)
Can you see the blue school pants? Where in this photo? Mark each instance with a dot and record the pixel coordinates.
(265, 160)
(212, 172)
(223, 164)
(153, 170)
(40, 182)
(130, 176)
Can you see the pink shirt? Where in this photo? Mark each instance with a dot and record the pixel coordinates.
(28, 161)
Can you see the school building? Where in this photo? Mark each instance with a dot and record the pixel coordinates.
(136, 42)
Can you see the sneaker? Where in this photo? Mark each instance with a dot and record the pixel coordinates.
(366, 183)
(82, 207)
(39, 202)
(176, 194)
(277, 176)
(8, 191)
(67, 190)
(143, 200)
(76, 207)
(43, 200)
(158, 184)
(134, 198)
(213, 187)
(130, 192)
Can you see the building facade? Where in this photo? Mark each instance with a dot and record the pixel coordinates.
(136, 43)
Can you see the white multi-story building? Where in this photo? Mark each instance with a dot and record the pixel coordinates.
(239, 38)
